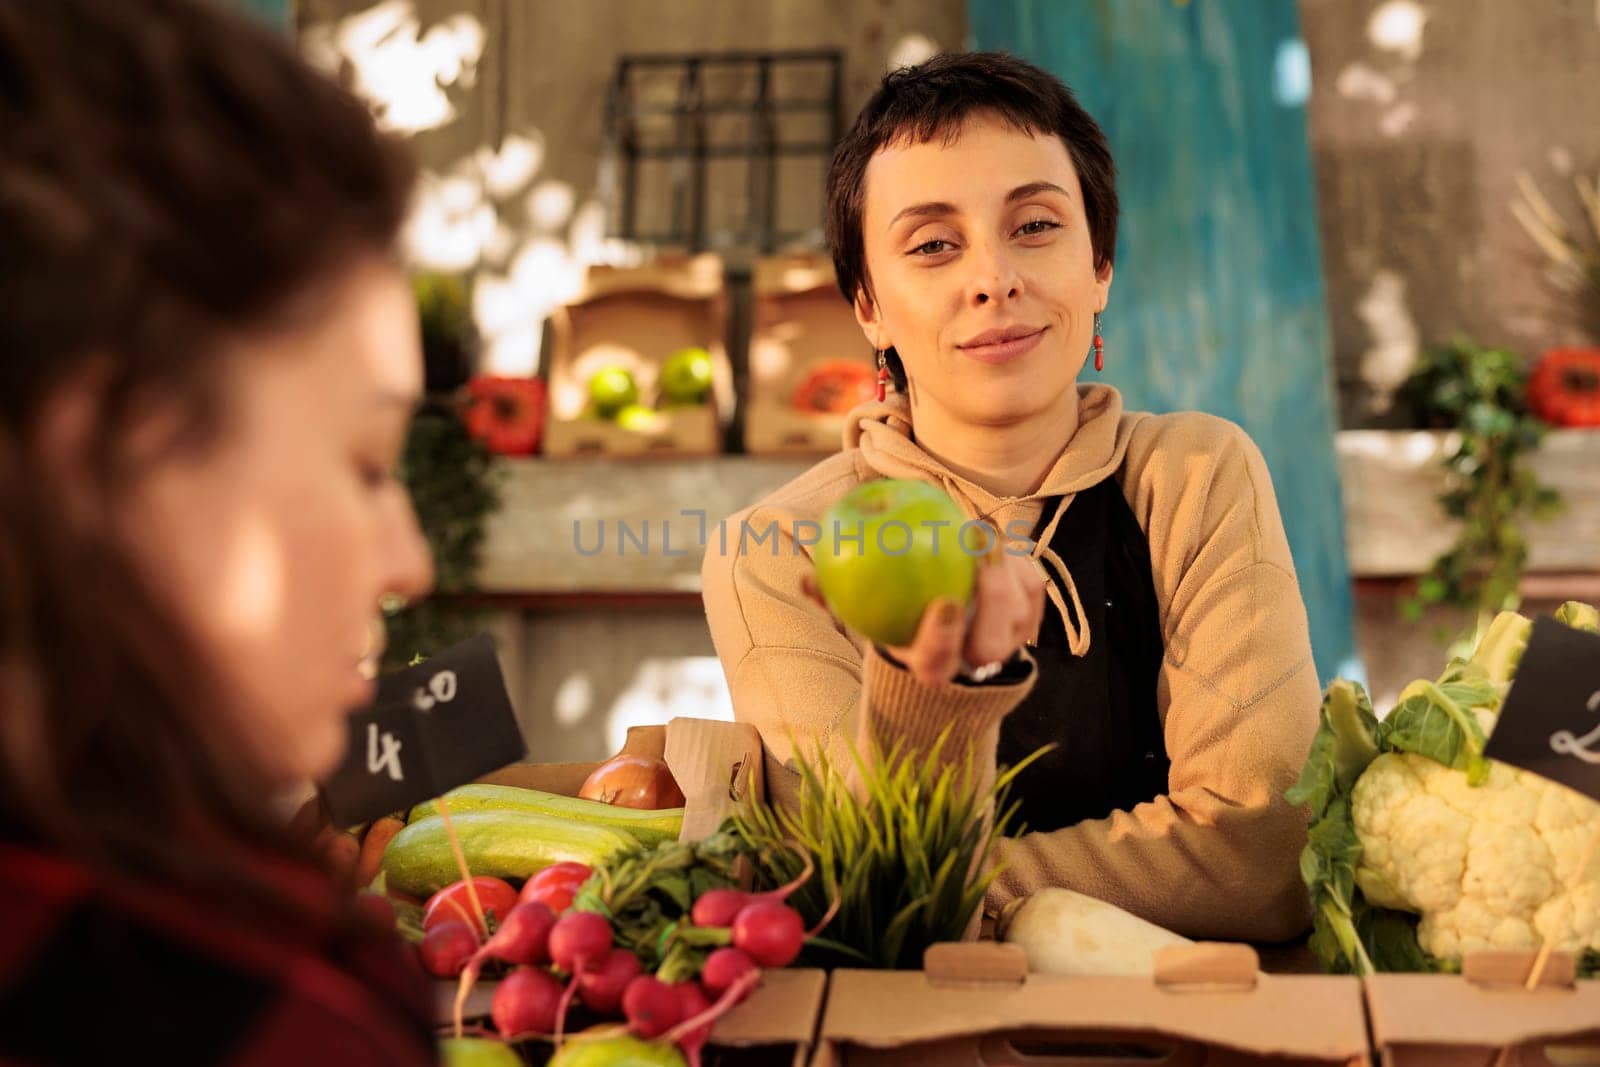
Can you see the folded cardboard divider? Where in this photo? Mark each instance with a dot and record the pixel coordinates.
(974, 1004)
(633, 319)
(1465, 1020)
(777, 1025)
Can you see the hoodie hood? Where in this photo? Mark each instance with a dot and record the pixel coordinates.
(882, 433)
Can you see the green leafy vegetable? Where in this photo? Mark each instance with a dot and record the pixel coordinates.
(1428, 722)
(647, 895)
(1579, 616)
(1346, 743)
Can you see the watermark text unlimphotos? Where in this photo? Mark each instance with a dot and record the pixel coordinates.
(892, 537)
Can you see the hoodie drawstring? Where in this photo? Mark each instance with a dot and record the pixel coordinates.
(1074, 622)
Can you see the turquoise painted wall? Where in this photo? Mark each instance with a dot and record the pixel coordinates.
(1217, 303)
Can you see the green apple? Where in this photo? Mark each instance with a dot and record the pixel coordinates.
(611, 389)
(686, 377)
(888, 550)
(618, 1051)
(638, 418)
(477, 1052)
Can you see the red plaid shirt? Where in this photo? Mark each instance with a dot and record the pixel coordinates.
(97, 973)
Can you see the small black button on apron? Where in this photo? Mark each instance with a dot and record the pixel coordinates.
(1098, 709)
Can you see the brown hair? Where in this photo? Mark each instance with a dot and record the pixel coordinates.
(171, 176)
(932, 100)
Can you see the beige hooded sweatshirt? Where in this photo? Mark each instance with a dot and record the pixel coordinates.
(1217, 857)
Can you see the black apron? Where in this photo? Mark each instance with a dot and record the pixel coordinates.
(1099, 709)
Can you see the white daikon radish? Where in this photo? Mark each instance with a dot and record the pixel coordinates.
(1069, 933)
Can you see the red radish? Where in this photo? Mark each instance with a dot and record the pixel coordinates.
(724, 967)
(447, 948)
(556, 886)
(770, 933)
(725, 1003)
(567, 993)
(524, 936)
(525, 1002)
(719, 907)
(651, 1006)
(454, 902)
(692, 1002)
(580, 941)
(601, 989)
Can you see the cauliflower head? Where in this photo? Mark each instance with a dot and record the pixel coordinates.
(1421, 850)
(1486, 867)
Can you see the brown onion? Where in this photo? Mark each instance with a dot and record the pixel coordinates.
(633, 782)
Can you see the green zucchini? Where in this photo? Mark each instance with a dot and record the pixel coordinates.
(505, 844)
(649, 827)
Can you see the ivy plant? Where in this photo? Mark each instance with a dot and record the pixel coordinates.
(450, 480)
(1480, 393)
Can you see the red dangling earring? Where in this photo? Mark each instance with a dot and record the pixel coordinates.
(883, 376)
(1099, 345)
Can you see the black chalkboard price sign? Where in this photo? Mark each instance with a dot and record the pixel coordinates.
(431, 727)
(1550, 721)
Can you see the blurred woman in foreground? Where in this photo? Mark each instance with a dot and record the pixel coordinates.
(208, 357)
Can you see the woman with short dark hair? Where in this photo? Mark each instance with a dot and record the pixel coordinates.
(1145, 618)
(208, 360)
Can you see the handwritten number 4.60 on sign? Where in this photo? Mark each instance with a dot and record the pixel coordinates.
(441, 689)
(383, 748)
(1587, 747)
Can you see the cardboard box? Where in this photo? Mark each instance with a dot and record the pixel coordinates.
(799, 322)
(635, 318)
(1466, 1020)
(976, 1004)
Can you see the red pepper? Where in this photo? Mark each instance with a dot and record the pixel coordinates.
(506, 414)
(1564, 389)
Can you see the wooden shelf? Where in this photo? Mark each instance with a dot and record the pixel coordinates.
(1549, 586)
(549, 603)
(546, 551)
(1393, 524)
(547, 539)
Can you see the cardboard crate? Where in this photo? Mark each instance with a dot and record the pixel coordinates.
(975, 1004)
(635, 318)
(1466, 1020)
(799, 321)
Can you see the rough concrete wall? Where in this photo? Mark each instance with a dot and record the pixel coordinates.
(511, 190)
(1416, 144)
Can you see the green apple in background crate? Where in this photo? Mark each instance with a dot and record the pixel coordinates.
(611, 389)
(686, 377)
